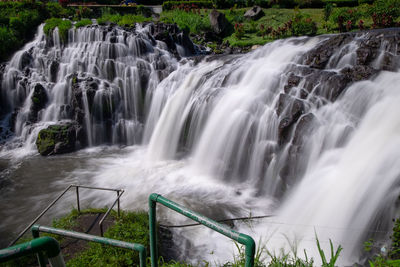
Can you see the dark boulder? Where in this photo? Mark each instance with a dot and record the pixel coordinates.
(289, 109)
(218, 21)
(184, 41)
(39, 100)
(254, 13)
(319, 56)
(54, 67)
(57, 139)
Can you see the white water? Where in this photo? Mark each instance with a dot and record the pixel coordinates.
(211, 142)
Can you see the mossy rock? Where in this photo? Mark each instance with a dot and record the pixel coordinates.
(56, 139)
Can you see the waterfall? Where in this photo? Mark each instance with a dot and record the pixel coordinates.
(304, 129)
(100, 78)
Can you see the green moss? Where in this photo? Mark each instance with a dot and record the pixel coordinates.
(128, 20)
(63, 27)
(83, 23)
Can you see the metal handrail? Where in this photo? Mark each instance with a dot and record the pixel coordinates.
(36, 229)
(45, 244)
(119, 193)
(243, 239)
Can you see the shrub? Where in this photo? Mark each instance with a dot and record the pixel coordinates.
(342, 3)
(168, 5)
(7, 41)
(343, 15)
(63, 27)
(303, 25)
(83, 23)
(328, 11)
(309, 3)
(385, 12)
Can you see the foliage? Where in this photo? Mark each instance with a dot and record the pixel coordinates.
(8, 41)
(239, 30)
(385, 12)
(303, 25)
(328, 11)
(309, 3)
(195, 22)
(334, 254)
(63, 27)
(168, 5)
(346, 18)
(342, 3)
(128, 20)
(83, 23)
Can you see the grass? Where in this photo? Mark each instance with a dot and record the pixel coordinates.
(128, 20)
(83, 23)
(193, 22)
(63, 27)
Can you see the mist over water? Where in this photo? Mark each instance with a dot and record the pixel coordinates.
(224, 136)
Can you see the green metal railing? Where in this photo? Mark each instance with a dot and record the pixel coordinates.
(243, 239)
(117, 201)
(36, 229)
(44, 244)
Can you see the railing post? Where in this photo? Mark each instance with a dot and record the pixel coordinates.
(40, 257)
(243, 239)
(77, 198)
(118, 203)
(152, 228)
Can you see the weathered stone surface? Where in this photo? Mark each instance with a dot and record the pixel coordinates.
(39, 100)
(57, 139)
(254, 13)
(218, 21)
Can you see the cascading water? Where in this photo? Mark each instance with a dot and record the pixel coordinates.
(305, 129)
(98, 79)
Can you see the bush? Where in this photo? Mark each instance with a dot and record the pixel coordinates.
(309, 3)
(303, 25)
(8, 42)
(346, 18)
(83, 23)
(342, 3)
(128, 20)
(385, 12)
(63, 27)
(168, 5)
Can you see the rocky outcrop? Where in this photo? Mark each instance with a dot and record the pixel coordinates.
(321, 78)
(254, 13)
(57, 139)
(171, 35)
(39, 100)
(218, 21)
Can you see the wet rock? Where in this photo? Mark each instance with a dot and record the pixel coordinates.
(289, 109)
(293, 81)
(26, 59)
(54, 66)
(218, 21)
(359, 73)
(319, 56)
(184, 41)
(39, 100)
(57, 139)
(254, 13)
(303, 128)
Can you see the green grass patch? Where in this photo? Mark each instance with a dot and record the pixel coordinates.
(128, 20)
(83, 23)
(194, 22)
(63, 27)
